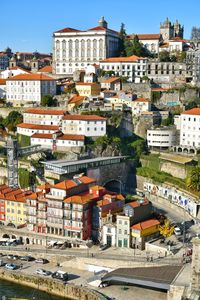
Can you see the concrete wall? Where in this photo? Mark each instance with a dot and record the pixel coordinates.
(174, 169)
(50, 286)
(141, 89)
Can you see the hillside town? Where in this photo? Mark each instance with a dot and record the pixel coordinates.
(100, 161)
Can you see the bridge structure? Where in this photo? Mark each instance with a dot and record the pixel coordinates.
(106, 170)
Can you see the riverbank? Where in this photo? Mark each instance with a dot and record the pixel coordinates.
(50, 286)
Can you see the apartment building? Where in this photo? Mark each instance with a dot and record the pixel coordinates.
(162, 138)
(87, 125)
(26, 89)
(190, 129)
(88, 89)
(133, 67)
(13, 205)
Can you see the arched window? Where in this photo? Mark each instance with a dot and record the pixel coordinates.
(76, 48)
(94, 48)
(82, 48)
(64, 44)
(100, 48)
(70, 48)
(88, 48)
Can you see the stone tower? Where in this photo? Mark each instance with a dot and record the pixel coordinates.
(13, 62)
(169, 31)
(102, 22)
(12, 162)
(178, 30)
(34, 64)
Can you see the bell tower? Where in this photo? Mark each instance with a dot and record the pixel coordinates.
(102, 22)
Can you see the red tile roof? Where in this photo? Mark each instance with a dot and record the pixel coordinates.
(46, 69)
(39, 111)
(84, 117)
(193, 111)
(145, 224)
(17, 195)
(138, 203)
(40, 77)
(19, 68)
(2, 81)
(80, 199)
(67, 29)
(101, 28)
(76, 99)
(70, 183)
(141, 100)
(131, 58)
(146, 36)
(87, 83)
(111, 79)
(37, 126)
(70, 137)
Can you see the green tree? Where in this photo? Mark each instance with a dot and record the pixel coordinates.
(47, 100)
(12, 120)
(193, 179)
(164, 56)
(122, 36)
(134, 47)
(168, 121)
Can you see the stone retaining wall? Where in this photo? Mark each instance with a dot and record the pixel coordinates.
(50, 286)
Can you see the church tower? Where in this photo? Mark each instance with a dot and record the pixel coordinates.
(102, 22)
(34, 64)
(13, 62)
(178, 30)
(166, 30)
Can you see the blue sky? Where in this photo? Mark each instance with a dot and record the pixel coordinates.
(28, 25)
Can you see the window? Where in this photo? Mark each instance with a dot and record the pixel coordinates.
(88, 129)
(120, 243)
(109, 230)
(120, 231)
(120, 222)
(125, 243)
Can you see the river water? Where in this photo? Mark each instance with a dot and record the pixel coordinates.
(9, 290)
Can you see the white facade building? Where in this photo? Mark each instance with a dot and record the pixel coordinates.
(14, 71)
(57, 141)
(150, 41)
(133, 67)
(88, 125)
(27, 89)
(30, 129)
(140, 105)
(109, 232)
(43, 116)
(161, 138)
(190, 128)
(75, 49)
(2, 88)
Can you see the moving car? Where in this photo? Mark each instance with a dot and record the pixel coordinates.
(11, 266)
(43, 272)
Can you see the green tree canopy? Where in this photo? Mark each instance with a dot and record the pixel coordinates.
(12, 120)
(193, 179)
(134, 47)
(164, 56)
(48, 100)
(122, 35)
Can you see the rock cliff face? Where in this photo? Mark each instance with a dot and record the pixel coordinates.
(99, 151)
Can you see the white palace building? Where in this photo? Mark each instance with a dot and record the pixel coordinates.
(74, 49)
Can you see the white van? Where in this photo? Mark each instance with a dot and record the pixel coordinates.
(177, 231)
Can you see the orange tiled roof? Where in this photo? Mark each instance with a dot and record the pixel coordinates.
(71, 137)
(39, 111)
(38, 126)
(136, 203)
(146, 224)
(19, 68)
(45, 69)
(111, 79)
(45, 186)
(80, 199)
(65, 185)
(101, 28)
(146, 36)
(84, 117)
(193, 111)
(76, 99)
(67, 29)
(97, 188)
(86, 180)
(11, 194)
(2, 81)
(141, 100)
(40, 77)
(87, 83)
(131, 58)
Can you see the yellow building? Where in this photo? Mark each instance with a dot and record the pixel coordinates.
(14, 204)
(143, 232)
(88, 89)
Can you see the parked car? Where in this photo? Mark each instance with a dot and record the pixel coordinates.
(27, 258)
(42, 260)
(2, 263)
(177, 231)
(10, 256)
(15, 257)
(61, 275)
(1, 255)
(104, 247)
(11, 266)
(43, 272)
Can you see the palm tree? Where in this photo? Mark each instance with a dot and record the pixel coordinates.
(193, 180)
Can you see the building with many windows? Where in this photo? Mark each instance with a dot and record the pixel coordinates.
(162, 138)
(28, 89)
(190, 128)
(75, 49)
(88, 125)
(133, 67)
